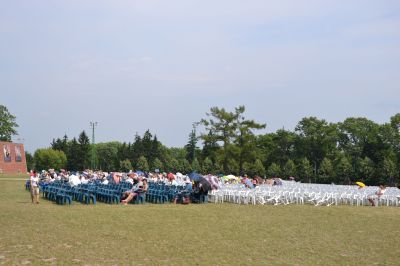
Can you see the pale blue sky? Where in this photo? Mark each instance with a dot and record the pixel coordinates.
(134, 65)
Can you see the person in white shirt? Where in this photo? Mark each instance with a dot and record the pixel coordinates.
(381, 190)
(34, 180)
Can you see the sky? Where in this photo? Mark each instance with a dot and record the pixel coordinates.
(161, 65)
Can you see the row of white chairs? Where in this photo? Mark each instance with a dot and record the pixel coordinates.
(300, 193)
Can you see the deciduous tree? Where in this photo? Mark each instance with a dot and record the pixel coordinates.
(304, 170)
(274, 170)
(289, 170)
(142, 164)
(325, 172)
(49, 159)
(259, 168)
(7, 124)
(207, 167)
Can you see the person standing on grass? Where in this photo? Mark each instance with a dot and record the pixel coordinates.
(34, 180)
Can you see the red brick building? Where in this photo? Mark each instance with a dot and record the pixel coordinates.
(12, 158)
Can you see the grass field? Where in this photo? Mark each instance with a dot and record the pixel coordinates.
(207, 234)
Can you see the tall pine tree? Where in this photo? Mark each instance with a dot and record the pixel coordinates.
(191, 146)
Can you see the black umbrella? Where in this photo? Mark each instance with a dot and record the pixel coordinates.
(204, 184)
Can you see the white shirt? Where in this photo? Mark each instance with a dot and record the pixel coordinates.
(74, 180)
(34, 181)
(380, 192)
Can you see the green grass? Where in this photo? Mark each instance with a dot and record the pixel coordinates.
(208, 234)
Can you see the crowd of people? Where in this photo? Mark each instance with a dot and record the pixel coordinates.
(193, 183)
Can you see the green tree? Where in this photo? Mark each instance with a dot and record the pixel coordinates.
(326, 171)
(387, 145)
(218, 168)
(210, 146)
(61, 144)
(289, 170)
(222, 125)
(137, 149)
(84, 151)
(191, 146)
(29, 161)
(389, 171)
(147, 145)
(157, 164)
(73, 162)
(265, 146)
(49, 159)
(344, 170)
(358, 138)
(171, 164)
(107, 155)
(125, 165)
(245, 139)
(142, 164)
(316, 140)
(229, 128)
(156, 150)
(123, 151)
(248, 169)
(304, 170)
(177, 153)
(395, 122)
(259, 168)
(232, 167)
(7, 124)
(184, 166)
(195, 167)
(274, 170)
(56, 144)
(366, 166)
(64, 144)
(207, 167)
(283, 146)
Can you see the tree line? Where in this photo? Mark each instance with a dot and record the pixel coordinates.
(356, 149)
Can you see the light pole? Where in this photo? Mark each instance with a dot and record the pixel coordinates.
(93, 125)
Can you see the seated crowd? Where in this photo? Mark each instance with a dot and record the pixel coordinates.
(139, 182)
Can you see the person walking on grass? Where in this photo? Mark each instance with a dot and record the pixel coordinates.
(34, 180)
